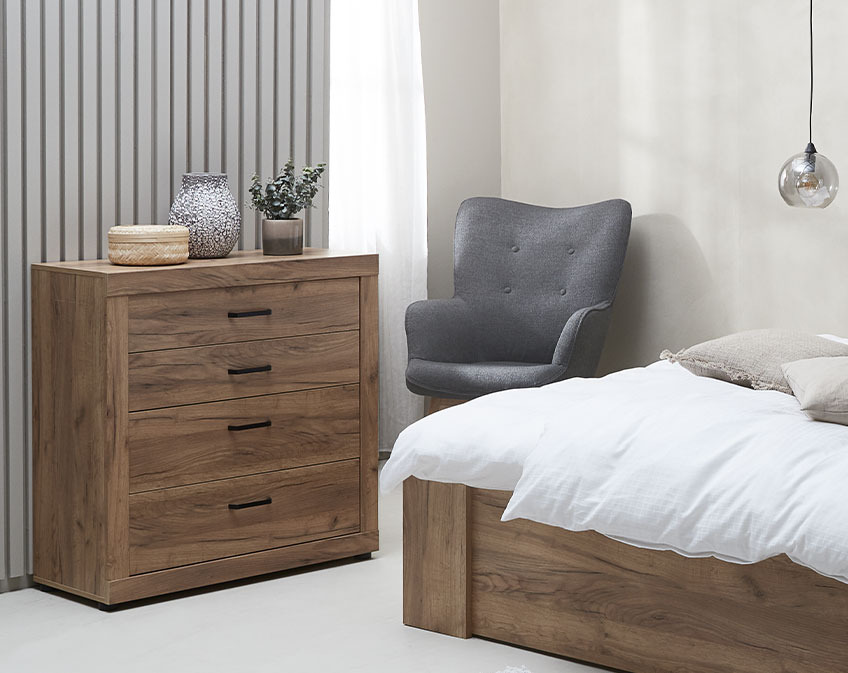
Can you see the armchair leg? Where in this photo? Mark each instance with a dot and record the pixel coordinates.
(439, 403)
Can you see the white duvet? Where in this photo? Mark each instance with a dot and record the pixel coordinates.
(655, 457)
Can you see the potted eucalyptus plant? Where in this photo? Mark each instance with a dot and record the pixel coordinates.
(280, 200)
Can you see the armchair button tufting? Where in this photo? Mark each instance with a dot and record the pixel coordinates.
(571, 251)
(515, 248)
(562, 291)
(507, 290)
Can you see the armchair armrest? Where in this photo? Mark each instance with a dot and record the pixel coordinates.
(582, 340)
(441, 330)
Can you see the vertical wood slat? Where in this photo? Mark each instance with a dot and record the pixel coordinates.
(195, 37)
(215, 95)
(300, 93)
(127, 115)
(51, 221)
(4, 318)
(282, 88)
(69, 150)
(107, 133)
(143, 112)
(16, 475)
(264, 101)
(162, 115)
(178, 47)
(247, 139)
(31, 220)
(319, 113)
(88, 138)
(231, 86)
(101, 102)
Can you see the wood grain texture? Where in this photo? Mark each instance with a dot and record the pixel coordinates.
(439, 403)
(369, 372)
(435, 557)
(199, 317)
(178, 526)
(307, 428)
(164, 416)
(116, 458)
(584, 596)
(249, 267)
(200, 373)
(69, 434)
(237, 567)
(71, 589)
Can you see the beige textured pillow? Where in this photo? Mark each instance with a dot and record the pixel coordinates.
(821, 386)
(753, 359)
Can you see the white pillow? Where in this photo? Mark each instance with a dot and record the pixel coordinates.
(821, 386)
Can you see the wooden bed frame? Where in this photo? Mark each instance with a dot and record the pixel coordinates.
(586, 597)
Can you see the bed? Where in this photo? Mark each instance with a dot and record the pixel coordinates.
(728, 553)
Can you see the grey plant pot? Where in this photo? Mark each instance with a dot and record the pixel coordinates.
(282, 237)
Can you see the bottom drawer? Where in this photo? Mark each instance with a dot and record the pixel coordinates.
(177, 526)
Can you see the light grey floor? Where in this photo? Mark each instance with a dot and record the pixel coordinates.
(342, 618)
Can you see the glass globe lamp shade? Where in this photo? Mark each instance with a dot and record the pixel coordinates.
(808, 180)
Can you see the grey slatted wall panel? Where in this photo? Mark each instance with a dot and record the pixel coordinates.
(104, 104)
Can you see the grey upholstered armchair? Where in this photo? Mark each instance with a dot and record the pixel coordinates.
(534, 289)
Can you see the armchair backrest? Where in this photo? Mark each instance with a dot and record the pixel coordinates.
(524, 269)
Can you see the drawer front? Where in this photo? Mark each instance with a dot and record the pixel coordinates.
(200, 317)
(210, 373)
(178, 526)
(176, 446)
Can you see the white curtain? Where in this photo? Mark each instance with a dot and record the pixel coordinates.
(378, 172)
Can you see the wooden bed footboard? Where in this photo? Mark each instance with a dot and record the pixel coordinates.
(587, 597)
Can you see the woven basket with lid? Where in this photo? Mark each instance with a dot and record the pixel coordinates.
(148, 244)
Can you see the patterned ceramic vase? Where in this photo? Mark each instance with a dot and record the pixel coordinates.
(206, 206)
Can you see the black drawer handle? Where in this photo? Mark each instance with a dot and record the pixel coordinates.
(245, 505)
(249, 426)
(249, 314)
(249, 370)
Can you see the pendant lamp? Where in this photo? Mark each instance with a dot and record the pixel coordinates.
(809, 179)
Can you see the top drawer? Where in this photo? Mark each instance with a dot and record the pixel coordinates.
(200, 317)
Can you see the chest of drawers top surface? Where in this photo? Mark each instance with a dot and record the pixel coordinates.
(244, 267)
(202, 422)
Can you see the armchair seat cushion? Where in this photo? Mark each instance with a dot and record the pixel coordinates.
(467, 380)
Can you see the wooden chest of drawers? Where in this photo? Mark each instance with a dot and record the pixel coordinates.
(202, 423)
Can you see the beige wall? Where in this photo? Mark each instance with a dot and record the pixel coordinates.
(459, 45)
(688, 110)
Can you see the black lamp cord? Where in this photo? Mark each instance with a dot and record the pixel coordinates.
(811, 72)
